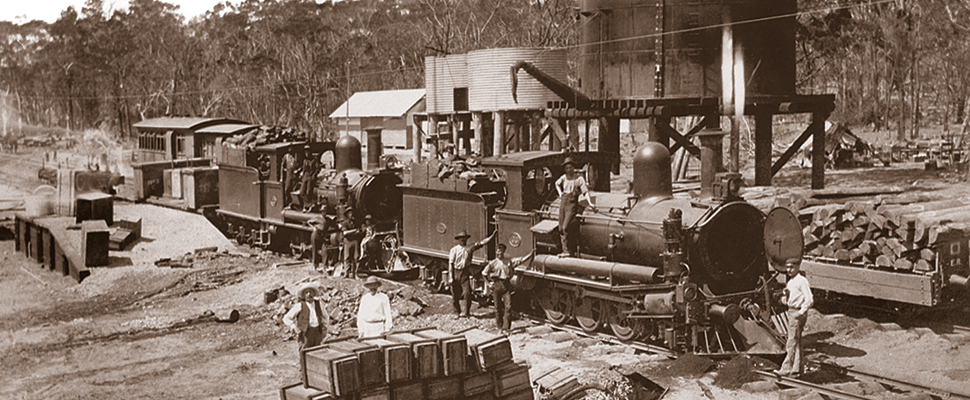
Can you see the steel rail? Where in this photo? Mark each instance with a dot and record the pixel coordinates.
(912, 387)
(788, 381)
(645, 347)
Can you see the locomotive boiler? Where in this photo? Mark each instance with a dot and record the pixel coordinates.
(688, 274)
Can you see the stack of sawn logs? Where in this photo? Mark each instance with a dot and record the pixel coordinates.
(417, 364)
(895, 236)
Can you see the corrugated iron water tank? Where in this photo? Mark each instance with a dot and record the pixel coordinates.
(490, 82)
(443, 74)
(644, 49)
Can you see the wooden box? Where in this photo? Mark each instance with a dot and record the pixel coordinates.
(331, 370)
(477, 383)
(425, 361)
(453, 350)
(525, 394)
(489, 395)
(297, 391)
(94, 243)
(487, 350)
(407, 390)
(397, 359)
(556, 382)
(377, 393)
(444, 388)
(370, 360)
(511, 378)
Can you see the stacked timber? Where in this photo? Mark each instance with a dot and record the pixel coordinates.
(418, 364)
(884, 235)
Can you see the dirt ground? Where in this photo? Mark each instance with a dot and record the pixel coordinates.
(141, 332)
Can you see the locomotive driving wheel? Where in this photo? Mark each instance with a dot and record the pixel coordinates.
(589, 313)
(556, 304)
(623, 327)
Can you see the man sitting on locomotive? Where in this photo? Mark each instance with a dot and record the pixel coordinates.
(498, 273)
(459, 270)
(798, 297)
(573, 191)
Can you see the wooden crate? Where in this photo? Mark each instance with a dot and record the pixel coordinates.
(425, 351)
(453, 350)
(489, 395)
(444, 388)
(556, 382)
(331, 370)
(370, 360)
(297, 391)
(407, 390)
(525, 394)
(377, 393)
(487, 350)
(477, 383)
(397, 359)
(511, 378)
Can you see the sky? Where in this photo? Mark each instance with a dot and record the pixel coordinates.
(20, 11)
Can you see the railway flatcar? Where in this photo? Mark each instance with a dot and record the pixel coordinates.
(691, 275)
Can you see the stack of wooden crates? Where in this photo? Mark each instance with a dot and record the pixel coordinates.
(417, 364)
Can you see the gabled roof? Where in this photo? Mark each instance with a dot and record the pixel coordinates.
(385, 103)
(181, 122)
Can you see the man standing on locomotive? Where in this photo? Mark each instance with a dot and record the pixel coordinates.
(290, 167)
(498, 272)
(308, 181)
(459, 270)
(572, 189)
(799, 300)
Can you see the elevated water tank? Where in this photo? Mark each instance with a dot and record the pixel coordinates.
(442, 76)
(490, 85)
(641, 49)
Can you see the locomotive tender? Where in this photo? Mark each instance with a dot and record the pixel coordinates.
(691, 275)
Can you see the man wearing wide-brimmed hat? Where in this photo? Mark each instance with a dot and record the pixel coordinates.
(374, 313)
(308, 318)
(459, 270)
(798, 297)
(571, 186)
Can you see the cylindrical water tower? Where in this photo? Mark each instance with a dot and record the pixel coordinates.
(643, 49)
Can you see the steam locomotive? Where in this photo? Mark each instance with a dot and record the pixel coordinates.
(691, 275)
(254, 205)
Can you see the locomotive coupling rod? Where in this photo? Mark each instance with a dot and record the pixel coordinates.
(833, 393)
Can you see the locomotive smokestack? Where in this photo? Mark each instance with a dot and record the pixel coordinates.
(375, 147)
(712, 148)
(651, 171)
(347, 154)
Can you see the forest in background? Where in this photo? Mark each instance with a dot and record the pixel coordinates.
(892, 64)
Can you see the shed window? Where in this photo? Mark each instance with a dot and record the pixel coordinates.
(461, 99)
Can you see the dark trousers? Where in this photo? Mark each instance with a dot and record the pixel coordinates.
(502, 295)
(312, 337)
(316, 244)
(461, 293)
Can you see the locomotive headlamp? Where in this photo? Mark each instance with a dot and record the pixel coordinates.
(727, 186)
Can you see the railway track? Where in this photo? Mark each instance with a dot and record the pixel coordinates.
(784, 380)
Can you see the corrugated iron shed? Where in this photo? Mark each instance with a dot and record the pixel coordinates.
(384, 103)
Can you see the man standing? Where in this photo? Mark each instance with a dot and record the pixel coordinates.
(308, 181)
(459, 269)
(368, 245)
(318, 252)
(799, 301)
(498, 272)
(571, 187)
(351, 241)
(290, 165)
(308, 319)
(374, 313)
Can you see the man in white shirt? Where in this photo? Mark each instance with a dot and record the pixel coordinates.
(498, 273)
(799, 300)
(459, 270)
(374, 313)
(308, 319)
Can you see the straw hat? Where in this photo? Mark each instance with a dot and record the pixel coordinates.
(569, 161)
(372, 281)
(462, 234)
(305, 289)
